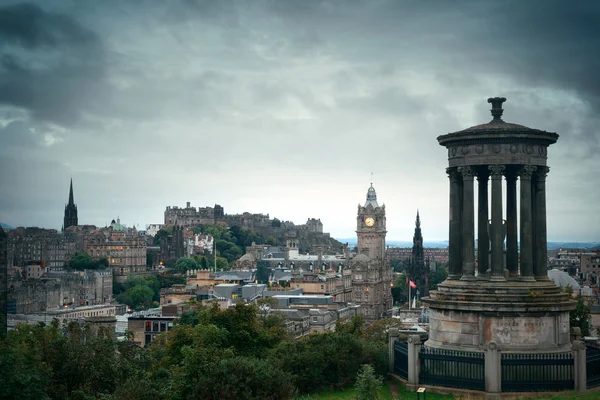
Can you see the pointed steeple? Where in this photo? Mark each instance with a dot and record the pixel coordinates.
(418, 237)
(71, 201)
(70, 218)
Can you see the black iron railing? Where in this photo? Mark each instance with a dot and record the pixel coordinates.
(401, 359)
(451, 368)
(592, 359)
(537, 372)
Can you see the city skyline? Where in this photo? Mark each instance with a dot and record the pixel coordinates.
(285, 108)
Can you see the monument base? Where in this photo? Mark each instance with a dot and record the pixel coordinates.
(518, 316)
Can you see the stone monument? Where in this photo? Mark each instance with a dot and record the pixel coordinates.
(493, 295)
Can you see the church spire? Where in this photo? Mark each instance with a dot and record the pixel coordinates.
(71, 202)
(70, 218)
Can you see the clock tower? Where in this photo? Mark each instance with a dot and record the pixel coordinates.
(370, 227)
(371, 276)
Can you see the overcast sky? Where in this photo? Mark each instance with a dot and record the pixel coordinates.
(286, 107)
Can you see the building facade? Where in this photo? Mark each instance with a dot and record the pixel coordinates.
(124, 249)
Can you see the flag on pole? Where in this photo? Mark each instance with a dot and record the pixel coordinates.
(413, 285)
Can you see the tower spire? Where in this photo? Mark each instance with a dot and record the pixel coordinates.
(70, 218)
(71, 201)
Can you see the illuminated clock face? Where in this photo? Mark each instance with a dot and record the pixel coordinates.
(369, 221)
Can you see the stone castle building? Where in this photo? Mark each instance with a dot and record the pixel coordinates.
(308, 234)
(70, 218)
(371, 275)
(192, 216)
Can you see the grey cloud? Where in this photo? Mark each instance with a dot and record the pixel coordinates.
(29, 26)
(163, 99)
(17, 134)
(50, 65)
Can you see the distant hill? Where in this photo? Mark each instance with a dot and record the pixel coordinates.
(444, 243)
(398, 243)
(572, 245)
(5, 226)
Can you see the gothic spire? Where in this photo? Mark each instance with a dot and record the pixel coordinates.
(418, 237)
(70, 218)
(71, 201)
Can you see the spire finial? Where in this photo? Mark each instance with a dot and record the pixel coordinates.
(497, 107)
(371, 179)
(418, 222)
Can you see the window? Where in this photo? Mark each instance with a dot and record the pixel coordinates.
(155, 326)
(322, 286)
(314, 319)
(147, 340)
(148, 326)
(163, 326)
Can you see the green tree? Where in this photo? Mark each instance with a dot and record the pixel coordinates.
(164, 232)
(275, 223)
(137, 297)
(228, 250)
(203, 263)
(271, 241)
(438, 277)
(399, 290)
(185, 263)
(368, 384)
(580, 316)
(81, 260)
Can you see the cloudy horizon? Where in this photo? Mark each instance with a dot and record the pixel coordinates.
(286, 107)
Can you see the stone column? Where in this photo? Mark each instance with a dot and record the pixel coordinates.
(414, 348)
(579, 365)
(483, 238)
(512, 252)
(497, 228)
(454, 237)
(468, 222)
(493, 371)
(392, 337)
(540, 270)
(526, 238)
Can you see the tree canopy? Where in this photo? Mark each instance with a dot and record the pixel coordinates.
(81, 260)
(237, 353)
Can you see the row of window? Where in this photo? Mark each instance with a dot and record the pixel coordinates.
(158, 326)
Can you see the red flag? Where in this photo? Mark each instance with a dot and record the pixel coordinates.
(413, 285)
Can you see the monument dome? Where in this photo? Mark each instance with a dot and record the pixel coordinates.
(562, 279)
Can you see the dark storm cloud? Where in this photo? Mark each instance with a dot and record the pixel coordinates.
(50, 64)
(30, 26)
